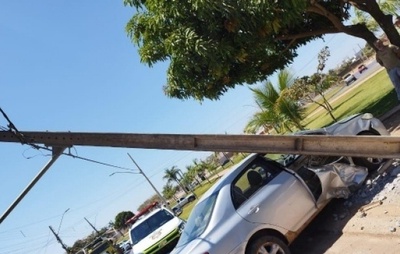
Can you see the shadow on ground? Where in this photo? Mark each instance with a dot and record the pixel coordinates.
(328, 226)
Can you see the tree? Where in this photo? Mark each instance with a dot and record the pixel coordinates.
(192, 170)
(121, 218)
(212, 46)
(169, 191)
(172, 175)
(201, 168)
(313, 88)
(277, 109)
(187, 180)
(211, 167)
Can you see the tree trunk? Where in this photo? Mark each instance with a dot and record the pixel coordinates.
(384, 21)
(180, 185)
(326, 108)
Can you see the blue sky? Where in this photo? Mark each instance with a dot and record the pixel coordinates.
(69, 66)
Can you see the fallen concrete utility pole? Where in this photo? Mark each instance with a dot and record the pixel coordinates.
(355, 146)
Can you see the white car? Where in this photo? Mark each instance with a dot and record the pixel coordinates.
(349, 78)
(125, 246)
(156, 232)
(186, 200)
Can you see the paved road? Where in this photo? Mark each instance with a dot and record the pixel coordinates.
(373, 68)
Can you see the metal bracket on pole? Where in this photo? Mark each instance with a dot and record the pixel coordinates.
(57, 151)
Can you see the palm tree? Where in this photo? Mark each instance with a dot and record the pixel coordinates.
(201, 168)
(193, 171)
(169, 191)
(172, 175)
(278, 110)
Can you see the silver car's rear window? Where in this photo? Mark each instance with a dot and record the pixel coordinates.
(198, 220)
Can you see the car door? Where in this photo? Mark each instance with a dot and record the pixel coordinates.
(281, 199)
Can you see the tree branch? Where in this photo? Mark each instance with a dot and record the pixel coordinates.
(331, 30)
(319, 9)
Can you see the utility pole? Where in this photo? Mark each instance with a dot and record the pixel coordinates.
(148, 180)
(65, 247)
(362, 52)
(98, 233)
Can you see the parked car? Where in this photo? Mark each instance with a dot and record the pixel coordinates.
(185, 200)
(125, 246)
(362, 68)
(261, 206)
(156, 232)
(177, 210)
(349, 78)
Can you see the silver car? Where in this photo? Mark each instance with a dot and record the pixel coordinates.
(349, 78)
(261, 206)
(359, 124)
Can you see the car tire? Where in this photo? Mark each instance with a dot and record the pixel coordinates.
(268, 244)
(371, 163)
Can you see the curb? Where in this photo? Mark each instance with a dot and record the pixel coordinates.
(389, 113)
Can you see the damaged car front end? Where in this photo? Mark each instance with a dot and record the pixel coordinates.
(355, 125)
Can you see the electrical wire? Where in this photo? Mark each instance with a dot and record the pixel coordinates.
(23, 140)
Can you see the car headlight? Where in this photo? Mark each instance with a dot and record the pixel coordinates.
(181, 226)
(367, 116)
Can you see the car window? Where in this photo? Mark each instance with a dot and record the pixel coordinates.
(149, 225)
(256, 175)
(198, 219)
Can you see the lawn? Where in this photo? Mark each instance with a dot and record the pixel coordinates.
(199, 191)
(376, 95)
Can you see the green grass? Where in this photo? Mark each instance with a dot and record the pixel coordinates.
(331, 93)
(199, 191)
(376, 95)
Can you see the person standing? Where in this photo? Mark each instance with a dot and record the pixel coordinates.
(388, 56)
(397, 22)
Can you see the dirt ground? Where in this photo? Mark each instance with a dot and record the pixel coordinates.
(342, 228)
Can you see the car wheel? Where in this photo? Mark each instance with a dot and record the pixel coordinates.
(268, 244)
(371, 163)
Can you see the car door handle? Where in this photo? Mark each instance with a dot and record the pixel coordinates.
(254, 209)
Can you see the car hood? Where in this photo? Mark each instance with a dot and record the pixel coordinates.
(352, 125)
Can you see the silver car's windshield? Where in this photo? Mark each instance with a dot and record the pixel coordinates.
(150, 225)
(198, 220)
